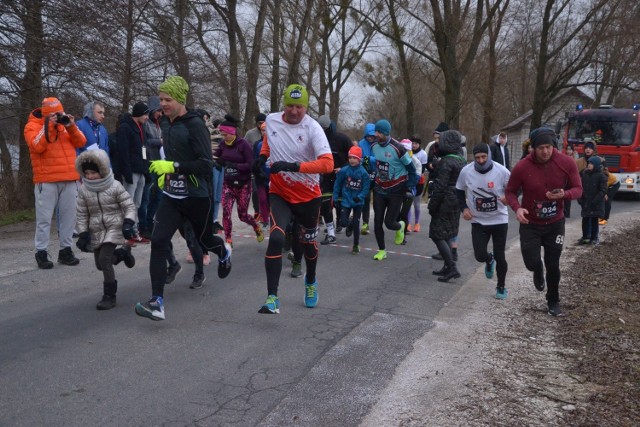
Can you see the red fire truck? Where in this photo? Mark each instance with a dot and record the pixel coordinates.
(617, 135)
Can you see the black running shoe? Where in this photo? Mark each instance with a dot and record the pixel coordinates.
(198, 281)
(172, 272)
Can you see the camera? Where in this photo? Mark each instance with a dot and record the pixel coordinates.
(63, 119)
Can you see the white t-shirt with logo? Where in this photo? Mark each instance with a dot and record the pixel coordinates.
(483, 192)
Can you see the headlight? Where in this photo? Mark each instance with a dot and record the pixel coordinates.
(628, 180)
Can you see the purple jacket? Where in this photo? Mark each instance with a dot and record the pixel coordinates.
(236, 160)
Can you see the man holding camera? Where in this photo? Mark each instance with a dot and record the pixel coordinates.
(53, 138)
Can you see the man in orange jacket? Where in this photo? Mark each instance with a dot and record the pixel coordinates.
(53, 137)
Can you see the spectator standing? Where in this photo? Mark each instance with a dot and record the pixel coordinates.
(92, 128)
(253, 136)
(594, 192)
(500, 151)
(53, 138)
(132, 164)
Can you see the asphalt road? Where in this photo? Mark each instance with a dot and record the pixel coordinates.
(215, 361)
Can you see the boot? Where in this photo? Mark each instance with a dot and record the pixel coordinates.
(108, 300)
(453, 273)
(66, 257)
(43, 260)
(443, 271)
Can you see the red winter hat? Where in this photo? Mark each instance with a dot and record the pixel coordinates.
(355, 151)
(51, 105)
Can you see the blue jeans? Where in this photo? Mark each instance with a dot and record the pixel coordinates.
(218, 177)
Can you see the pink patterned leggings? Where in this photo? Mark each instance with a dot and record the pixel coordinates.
(242, 195)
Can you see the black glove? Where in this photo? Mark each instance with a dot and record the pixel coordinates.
(284, 167)
(231, 165)
(127, 229)
(366, 162)
(128, 179)
(84, 241)
(221, 162)
(357, 199)
(257, 164)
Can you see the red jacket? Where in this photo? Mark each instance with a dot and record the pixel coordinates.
(535, 179)
(52, 160)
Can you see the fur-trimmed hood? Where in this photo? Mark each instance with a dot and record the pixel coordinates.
(99, 157)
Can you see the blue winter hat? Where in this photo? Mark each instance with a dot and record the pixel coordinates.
(383, 126)
(595, 161)
(369, 130)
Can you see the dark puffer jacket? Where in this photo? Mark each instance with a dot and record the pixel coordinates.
(443, 203)
(594, 188)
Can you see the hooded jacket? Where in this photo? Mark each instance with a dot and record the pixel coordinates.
(188, 142)
(351, 182)
(95, 132)
(367, 152)
(52, 159)
(496, 152)
(594, 188)
(152, 133)
(535, 179)
(443, 202)
(103, 204)
(236, 159)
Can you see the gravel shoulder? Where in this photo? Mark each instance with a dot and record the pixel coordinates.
(491, 362)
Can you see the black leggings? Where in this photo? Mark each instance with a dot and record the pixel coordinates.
(354, 222)
(169, 217)
(367, 207)
(104, 259)
(480, 236)
(306, 224)
(386, 208)
(551, 237)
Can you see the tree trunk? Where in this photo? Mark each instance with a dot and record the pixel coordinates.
(253, 71)
(404, 70)
(275, 66)
(30, 94)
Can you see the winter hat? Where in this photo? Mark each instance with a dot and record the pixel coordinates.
(383, 126)
(406, 143)
(369, 130)
(542, 136)
(596, 162)
(324, 121)
(140, 109)
(154, 103)
(261, 117)
(229, 125)
(355, 151)
(590, 144)
(51, 105)
(296, 94)
(90, 166)
(488, 165)
(176, 87)
(441, 128)
(480, 148)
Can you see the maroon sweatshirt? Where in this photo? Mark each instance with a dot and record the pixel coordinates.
(535, 179)
(240, 155)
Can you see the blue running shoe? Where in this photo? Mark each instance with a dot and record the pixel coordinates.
(272, 306)
(490, 266)
(152, 309)
(501, 293)
(310, 293)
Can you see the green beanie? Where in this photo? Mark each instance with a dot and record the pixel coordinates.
(296, 94)
(176, 87)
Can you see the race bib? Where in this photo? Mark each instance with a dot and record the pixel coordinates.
(230, 171)
(486, 204)
(354, 184)
(176, 184)
(383, 170)
(545, 209)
